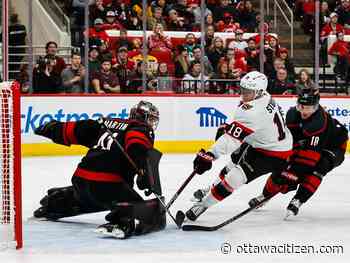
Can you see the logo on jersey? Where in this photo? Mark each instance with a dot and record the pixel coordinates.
(210, 117)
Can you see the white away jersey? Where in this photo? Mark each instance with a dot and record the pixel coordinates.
(259, 123)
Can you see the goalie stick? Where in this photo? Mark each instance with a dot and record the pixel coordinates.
(179, 216)
(228, 221)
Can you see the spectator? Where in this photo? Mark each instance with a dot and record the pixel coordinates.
(111, 22)
(136, 45)
(17, 37)
(216, 51)
(191, 82)
(196, 12)
(281, 85)
(237, 65)
(158, 40)
(51, 50)
(23, 79)
(209, 20)
(133, 22)
(94, 62)
(190, 44)
(163, 80)
(308, 16)
(97, 32)
(182, 63)
(136, 82)
(238, 42)
(253, 61)
(73, 75)
(288, 63)
(104, 80)
(96, 11)
(122, 11)
(340, 49)
(218, 85)
(247, 16)
(209, 37)
(157, 18)
(304, 81)
(197, 57)
(344, 13)
(228, 24)
(332, 27)
(184, 13)
(45, 79)
(324, 14)
(124, 68)
(224, 7)
(277, 64)
(123, 40)
(176, 23)
(273, 44)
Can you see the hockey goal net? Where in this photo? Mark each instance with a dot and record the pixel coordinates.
(10, 167)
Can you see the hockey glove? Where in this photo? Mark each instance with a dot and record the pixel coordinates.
(46, 129)
(203, 161)
(325, 164)
(221, 130)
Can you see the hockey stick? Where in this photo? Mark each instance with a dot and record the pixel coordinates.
(179, 220)
(228, 221)
(182, 187)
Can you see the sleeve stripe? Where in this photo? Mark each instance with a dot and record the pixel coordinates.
(309, 154)
(137, 137)
(305, 161)
(244, 128)
(68, 133)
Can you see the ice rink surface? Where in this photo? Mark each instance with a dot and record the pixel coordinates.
(323, 221)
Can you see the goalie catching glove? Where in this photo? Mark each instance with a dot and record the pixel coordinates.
(203, 161)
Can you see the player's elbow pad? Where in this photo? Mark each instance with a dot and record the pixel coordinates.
(329, 160)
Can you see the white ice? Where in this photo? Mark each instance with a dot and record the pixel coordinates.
(324, 220)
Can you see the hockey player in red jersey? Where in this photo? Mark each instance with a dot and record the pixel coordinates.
(257, 139)
(104, 178)
(319, 145)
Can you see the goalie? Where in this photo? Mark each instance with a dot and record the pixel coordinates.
(104, 178)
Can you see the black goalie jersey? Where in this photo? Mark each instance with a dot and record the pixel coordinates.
(104, 161)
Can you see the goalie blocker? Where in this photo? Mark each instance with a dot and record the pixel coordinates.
(104, 179)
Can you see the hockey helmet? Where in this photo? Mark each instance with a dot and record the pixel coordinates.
(146, 112)
(254, 81)
(309, 96)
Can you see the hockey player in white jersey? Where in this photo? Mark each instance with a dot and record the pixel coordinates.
(257, 139)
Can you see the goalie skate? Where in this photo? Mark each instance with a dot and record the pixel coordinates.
(116, 230)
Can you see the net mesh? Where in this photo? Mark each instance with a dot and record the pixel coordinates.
(7, 207)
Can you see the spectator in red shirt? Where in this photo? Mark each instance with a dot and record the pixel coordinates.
(105, 81)
(340, 49)
(97, 31)
(158, 40)
(51, 50)
(332, 27)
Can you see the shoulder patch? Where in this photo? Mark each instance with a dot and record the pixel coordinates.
(245, 106)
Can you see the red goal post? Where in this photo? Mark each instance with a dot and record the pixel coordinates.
(10, 166)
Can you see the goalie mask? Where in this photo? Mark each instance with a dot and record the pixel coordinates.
(308, 101)
(146, 112)
(253, 85)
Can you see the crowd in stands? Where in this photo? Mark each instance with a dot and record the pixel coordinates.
(117, 66)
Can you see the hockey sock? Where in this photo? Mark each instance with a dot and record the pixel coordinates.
(307, 188)
(224, 186)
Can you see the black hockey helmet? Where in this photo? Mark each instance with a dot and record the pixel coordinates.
(309, 96)
(146, 112)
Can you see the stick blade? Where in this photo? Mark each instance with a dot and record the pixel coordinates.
(197, 228)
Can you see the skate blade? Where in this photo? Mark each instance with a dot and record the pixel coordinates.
(37, 219)
(116, 233)
(289, 216)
